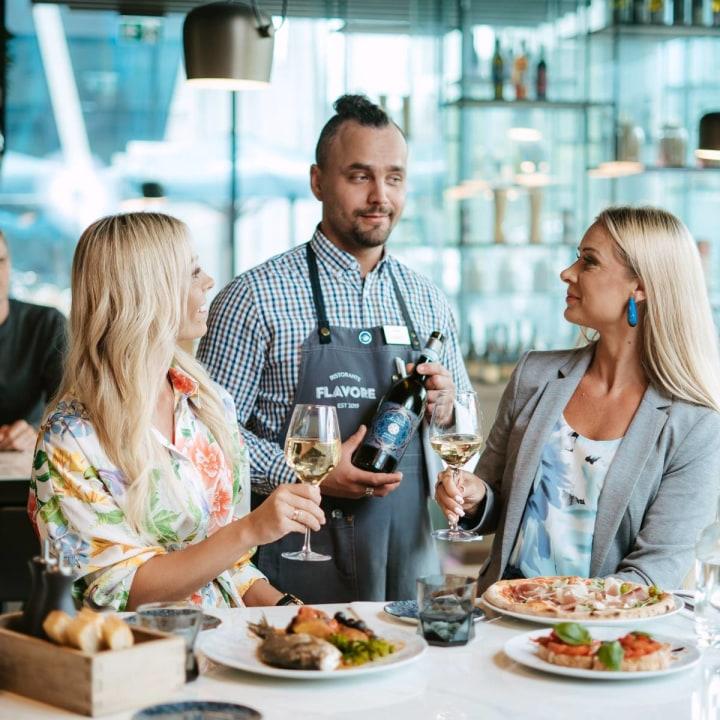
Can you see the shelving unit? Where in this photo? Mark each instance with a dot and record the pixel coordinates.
(655, 74)
(651, 74)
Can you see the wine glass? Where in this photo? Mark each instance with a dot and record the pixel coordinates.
(456, 435)
(312, 450)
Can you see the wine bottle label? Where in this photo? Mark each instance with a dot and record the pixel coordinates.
(392, 429)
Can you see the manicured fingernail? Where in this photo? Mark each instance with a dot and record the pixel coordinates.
(459, 511)
(458, 499)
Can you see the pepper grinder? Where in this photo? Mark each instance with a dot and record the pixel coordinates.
(58, 588)
(56, 592)
(32, 619)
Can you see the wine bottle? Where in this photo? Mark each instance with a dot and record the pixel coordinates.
(397, 417)
(498, 71)
(698, 12)
(541, 77)
(519, 74)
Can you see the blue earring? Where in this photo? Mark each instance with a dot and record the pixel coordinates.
(632, 316)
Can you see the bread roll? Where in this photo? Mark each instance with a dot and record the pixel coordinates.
(84, 633)
(116, 634)
(55, 625)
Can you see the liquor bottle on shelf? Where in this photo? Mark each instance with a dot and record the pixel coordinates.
(679, 17)
(640, 14)
(698, 12)
(657, 11)
(397, 417)
(519, 74)
(541, 77)
(498, 71)
(473, 361)
(715, 6)
(621, 12)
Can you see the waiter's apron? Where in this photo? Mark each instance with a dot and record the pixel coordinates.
(379, 546)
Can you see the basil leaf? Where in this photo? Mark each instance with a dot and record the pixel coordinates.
(611, 655)
(573, 633)
(640, 633)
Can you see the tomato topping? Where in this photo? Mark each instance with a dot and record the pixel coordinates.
(637, 646)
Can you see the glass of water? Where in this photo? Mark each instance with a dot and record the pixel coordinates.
(177, 618)
(445, 605)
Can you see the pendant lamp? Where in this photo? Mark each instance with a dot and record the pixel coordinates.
(228, 45)
(708, 151)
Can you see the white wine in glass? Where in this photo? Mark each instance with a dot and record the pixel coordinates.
(312, 450)
(456, 435)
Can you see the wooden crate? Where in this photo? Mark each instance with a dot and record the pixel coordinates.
(98, 684)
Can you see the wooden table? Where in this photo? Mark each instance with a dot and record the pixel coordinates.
(477, 681)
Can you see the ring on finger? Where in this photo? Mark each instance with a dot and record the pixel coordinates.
(369, 491)
(296, 514)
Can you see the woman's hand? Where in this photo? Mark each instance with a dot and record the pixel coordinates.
(289, 508)
(460, 498)
(17, 436)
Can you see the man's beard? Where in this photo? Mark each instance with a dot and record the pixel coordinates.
(370, 238)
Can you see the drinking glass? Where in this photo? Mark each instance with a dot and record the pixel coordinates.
(312, 450)
(178, 618)
(445, 606)
(456, 435)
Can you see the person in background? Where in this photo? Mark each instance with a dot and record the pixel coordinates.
(604, 460)
(140, 473)
(32, 345)
(264, 345)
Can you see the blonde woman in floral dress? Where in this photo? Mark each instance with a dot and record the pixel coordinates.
(140, 472)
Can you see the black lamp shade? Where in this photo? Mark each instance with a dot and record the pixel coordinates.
(225, 47)
(709, 140)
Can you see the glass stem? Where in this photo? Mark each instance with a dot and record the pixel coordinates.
(453, 525)
(306, 545)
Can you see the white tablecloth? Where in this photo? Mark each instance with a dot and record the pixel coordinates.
(475, 681)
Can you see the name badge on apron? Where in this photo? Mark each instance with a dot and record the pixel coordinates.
(396, 335)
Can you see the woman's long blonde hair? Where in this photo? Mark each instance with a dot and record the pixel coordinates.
(680, 341)
(131, 277)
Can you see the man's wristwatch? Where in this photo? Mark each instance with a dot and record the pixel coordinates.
(288, 599)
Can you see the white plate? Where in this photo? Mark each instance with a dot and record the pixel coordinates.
(522, 650)
(679, 605)
(236, 648)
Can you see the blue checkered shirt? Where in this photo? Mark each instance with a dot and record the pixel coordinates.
(259, 321)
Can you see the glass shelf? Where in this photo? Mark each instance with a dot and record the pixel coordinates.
(486, 245)
(485, 103)
(658, 32)
(666, 169)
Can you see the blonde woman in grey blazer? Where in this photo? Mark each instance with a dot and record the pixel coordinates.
(646, 391)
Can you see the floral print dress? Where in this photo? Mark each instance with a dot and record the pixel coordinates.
(78, 497)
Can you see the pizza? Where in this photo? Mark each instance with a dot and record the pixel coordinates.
(571, 645)
(575, 598)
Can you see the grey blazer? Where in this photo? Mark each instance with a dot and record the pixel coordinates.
(660, 490)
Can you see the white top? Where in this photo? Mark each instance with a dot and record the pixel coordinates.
(556, 532)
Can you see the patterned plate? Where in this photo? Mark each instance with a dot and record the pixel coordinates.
(198, 710)
(209, 622)
(407, 611)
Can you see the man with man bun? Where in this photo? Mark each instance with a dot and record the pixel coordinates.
(323, 323)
